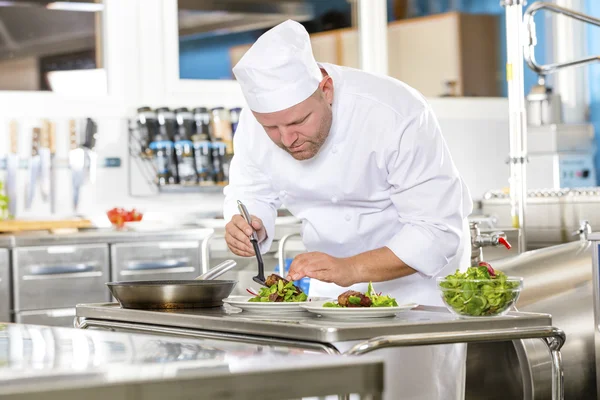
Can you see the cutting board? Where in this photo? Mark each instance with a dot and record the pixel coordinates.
(49, 225)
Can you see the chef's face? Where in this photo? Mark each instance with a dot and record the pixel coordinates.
(302, 129)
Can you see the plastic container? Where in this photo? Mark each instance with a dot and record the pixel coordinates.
(479, 297)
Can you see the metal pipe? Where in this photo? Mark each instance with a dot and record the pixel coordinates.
(281, 251)
(529, 50)
(435, 338)
(205, 253)
(517, 117)
(372, 33)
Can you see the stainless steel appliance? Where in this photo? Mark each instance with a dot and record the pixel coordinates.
(49, 281)
(557, 281)
(595, 285)
(5, 296)
(421, 326)
(58, 363)
(553, 216)
(561, 156)
(156, 260)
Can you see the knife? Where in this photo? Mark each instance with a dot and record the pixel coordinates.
(12, 168)
(44, 152)
(76, 163)
(52, 146)
(34, 167)
(91, 158)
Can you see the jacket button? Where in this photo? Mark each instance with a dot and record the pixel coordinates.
(334, 199)
(348, 217)
(334, 149)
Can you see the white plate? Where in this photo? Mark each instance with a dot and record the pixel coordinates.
(355, 312)
(268, 307)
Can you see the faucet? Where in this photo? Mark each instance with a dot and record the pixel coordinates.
(480, 240)
(584, 230)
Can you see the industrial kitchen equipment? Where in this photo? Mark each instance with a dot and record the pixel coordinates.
(421, 326)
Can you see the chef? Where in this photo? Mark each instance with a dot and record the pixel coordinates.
(360, 160)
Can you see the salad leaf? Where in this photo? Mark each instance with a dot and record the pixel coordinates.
(287, 291)
(378, 300)
(479, 291)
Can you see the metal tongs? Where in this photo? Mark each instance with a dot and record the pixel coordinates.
(260, 278)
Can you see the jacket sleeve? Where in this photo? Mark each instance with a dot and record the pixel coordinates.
(428, 193)
(251, 186)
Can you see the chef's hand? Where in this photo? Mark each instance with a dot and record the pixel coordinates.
(322, 267)
(238, 232)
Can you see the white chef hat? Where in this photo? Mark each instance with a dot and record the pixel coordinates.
(279, 70)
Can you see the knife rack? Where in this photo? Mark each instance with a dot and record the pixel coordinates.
(140, 159)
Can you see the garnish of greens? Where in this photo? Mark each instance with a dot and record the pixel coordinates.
(479, 291)
(285, 290)
(377, 300)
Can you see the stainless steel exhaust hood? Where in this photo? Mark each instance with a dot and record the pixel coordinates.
(198, 17)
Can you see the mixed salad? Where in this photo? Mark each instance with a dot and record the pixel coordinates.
(279, 290)
(370, 298)
(479, 291)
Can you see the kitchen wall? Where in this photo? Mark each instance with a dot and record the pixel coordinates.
(20, 73)
(207, 57)
(149, 75)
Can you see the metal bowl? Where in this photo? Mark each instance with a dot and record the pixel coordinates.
(171, 294)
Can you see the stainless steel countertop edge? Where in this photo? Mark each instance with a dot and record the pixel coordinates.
(102, 236)
(310, 333)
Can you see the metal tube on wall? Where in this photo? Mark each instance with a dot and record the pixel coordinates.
(372, 32)
(517, 115)
(569, 43)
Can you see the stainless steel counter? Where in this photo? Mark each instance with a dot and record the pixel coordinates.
(6, 241)
(59, 363)
(421, 326)
(104, 236)
(305, 326)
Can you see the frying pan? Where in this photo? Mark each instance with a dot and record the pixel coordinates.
(201, 292)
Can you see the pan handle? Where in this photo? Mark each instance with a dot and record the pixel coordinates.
(217, 271)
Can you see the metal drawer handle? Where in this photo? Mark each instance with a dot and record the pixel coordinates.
(157, 271)
(61, 276)
(55, 269)
(157, 264)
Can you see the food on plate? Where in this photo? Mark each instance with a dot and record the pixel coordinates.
(118, 216)
(479, 291)
(279, 290)
(352, 298)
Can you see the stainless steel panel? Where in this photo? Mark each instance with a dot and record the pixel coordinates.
(5, 295)
(59, 317)
(50, 363)
(155, 260)
(308, 327)
(558, 281)
(59, 276)
(98, 236)
(552, 215)
(6, 241)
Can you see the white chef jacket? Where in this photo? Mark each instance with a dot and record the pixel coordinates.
(384, 177)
